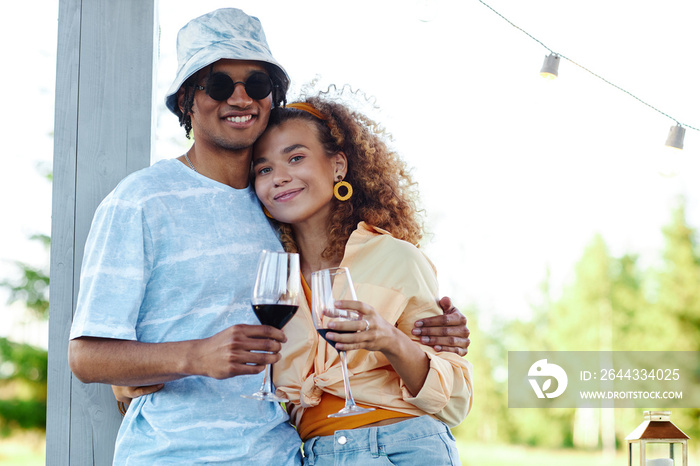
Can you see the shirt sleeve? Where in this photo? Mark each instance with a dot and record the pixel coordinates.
(447, 391)
(116, 267)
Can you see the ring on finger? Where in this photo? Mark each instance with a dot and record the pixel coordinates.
(366, 325)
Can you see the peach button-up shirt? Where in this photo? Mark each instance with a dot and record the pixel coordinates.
(399, 281)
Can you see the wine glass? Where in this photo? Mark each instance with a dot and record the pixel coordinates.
(328, 286)
(275, 300)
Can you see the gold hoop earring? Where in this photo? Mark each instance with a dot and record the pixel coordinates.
(267, 213)
(336, 190)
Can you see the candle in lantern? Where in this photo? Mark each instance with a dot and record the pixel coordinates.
(660, 462)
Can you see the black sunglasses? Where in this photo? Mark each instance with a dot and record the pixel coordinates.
(220, 86)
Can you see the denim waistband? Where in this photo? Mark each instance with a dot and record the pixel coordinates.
(374, 437)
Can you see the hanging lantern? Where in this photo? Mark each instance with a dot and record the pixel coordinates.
(675, 137)
(657, 442)
(550, 67)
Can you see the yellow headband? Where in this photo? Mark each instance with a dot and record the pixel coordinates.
(308, 108)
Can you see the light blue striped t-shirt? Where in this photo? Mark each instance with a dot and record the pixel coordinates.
(171, 256)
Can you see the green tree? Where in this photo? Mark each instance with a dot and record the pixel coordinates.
(487, 417)
(32, 287)
(598, 311)
(678, 286)
(23, 367)
(631, 310)
(676, 310)
(22, 386)
(605, 308)
(582, 317)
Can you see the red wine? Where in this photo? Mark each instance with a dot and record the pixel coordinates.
(274, 315)
(323, 331)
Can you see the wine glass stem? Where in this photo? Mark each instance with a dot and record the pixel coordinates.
(349, 401)
(268, 376)
(265, 387)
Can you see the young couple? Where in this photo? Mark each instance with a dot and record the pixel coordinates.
(164, 302)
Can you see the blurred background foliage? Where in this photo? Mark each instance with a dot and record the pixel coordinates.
(23, 367)
(612, 304)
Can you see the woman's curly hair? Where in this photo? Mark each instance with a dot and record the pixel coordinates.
(384, 193)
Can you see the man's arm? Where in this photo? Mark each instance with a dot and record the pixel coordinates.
(237, 350)
(447, 332)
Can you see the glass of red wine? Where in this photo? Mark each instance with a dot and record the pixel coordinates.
(275, 300)
(328, 286)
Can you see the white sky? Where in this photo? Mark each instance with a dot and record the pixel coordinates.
(517, 173)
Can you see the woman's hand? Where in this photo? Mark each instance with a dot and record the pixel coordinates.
(371, 332)
(447, 332)
(126, 394)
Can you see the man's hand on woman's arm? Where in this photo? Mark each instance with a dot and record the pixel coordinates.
(447, 332)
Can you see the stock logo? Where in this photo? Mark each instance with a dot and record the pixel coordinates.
(543, 370)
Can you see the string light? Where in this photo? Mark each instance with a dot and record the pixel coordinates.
(550, 67)
(675, 137)
(677, 133)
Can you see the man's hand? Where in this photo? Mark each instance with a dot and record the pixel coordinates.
(126, 394)
(238, 350)
(447, 332)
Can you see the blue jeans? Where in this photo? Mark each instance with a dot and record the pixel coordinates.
(420, 440)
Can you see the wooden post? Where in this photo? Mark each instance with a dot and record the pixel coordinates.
(103, 131)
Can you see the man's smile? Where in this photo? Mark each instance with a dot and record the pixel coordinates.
(239, 119)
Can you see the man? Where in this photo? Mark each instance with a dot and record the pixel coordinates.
(169, 266)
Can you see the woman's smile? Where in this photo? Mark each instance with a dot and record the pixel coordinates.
(287, 195)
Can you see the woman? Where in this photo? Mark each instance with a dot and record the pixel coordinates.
(342, 198)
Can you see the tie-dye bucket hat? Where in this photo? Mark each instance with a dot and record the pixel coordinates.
(224, 33)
